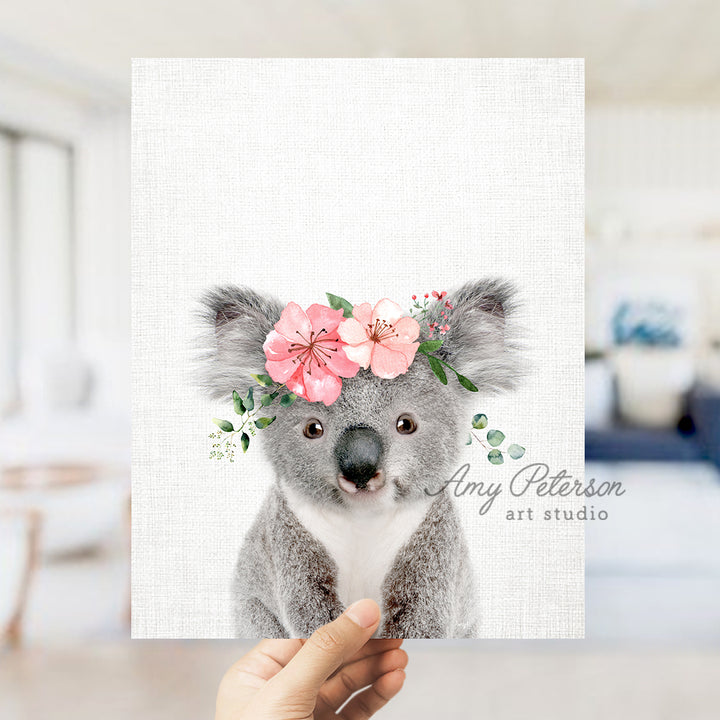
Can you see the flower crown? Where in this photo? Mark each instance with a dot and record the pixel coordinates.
(309, 352)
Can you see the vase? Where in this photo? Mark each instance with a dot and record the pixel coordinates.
(652, 383)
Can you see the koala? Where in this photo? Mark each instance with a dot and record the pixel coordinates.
(357, 506)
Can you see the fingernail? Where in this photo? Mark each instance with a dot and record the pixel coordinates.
(364, 613)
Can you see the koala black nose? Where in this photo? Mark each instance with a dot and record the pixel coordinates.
(359, 452)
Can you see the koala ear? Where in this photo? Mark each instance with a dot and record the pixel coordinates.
(239, 321)
(479, 342)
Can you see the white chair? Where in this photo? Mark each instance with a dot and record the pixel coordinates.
(19, 544)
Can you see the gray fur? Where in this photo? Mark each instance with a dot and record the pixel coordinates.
(482, 341)
(285, 580)
(239, 320)
(429, 591)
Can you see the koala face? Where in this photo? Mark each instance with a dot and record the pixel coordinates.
(382, 442)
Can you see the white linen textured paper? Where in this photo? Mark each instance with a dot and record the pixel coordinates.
(369, 179)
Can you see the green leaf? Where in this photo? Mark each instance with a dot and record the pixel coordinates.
(244, 442)
(437, 368)
(516, 451)
(267, 399)
(465, 382)
(430, 346)
(249, 401)
(264, 380)
(469, 440)
(224, 425)
(495, 457)
(495, 437)
(480, 421)
(238, 403)
(288, 399)
(263, 422)
(338, 303)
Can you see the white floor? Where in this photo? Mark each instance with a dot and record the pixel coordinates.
(161, 680)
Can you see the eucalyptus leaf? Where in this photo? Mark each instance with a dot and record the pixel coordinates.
(466, 383)
(249, 401)
(516, 451)
(244, 442)
(495, 457)
(469, 439)
(495, 437)
(238, 403)
(480, 421)
(430, 346)
(264, 380)
(263, 422)
(267, 399)
(437, 368)
(339, 303)
(288, 399)
(224, 425)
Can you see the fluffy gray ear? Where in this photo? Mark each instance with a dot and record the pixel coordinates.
(238, 320)
(480, 342)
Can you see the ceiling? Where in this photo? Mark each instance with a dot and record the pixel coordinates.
(635, 50)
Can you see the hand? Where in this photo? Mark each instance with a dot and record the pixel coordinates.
(303, 679)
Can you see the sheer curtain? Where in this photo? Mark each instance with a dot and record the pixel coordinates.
(8, 339)
(37, 267)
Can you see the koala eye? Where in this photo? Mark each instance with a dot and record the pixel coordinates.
(313, 429)
(406, 425)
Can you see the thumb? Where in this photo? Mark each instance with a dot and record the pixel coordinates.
(326, 650)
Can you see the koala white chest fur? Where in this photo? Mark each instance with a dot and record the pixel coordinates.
(363, 544)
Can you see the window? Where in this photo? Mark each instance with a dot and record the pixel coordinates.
(37, 264)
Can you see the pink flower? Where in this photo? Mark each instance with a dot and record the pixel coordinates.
(439, 296)
(305, 352)
(448, 305)
(444, 329)
(380, 338)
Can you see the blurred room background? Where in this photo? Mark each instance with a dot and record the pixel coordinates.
(652, 344)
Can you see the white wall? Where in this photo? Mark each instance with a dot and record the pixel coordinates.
(103, 254)
(653, 209)
(657, 168)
